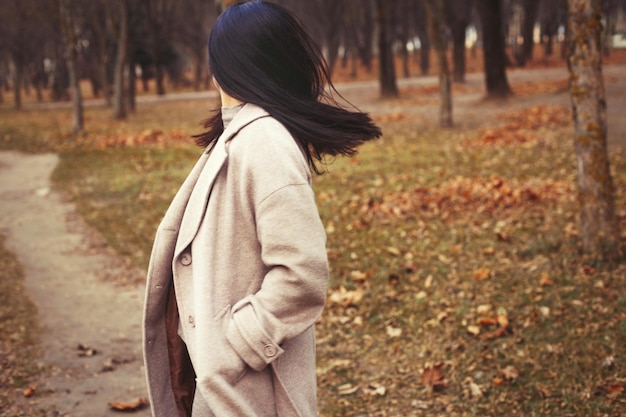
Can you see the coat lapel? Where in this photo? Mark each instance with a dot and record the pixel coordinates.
(198, 200)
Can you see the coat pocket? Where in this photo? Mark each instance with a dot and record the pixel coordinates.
(227, 361)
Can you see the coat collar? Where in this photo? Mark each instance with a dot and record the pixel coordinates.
(245, 116)
(199, 195)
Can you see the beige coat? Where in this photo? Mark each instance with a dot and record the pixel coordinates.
(244, 246)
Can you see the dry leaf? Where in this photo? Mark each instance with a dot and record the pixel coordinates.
(135, 405)
(475, 390)
(432, 377)
(544, 280)
(474, 330)
(482, 274)
(358, 276)
(375, 389)
(346, 298)
(393, 251)
(487, 321)
(509, 373)
(393, 331)
(610, 389)
(497, 381)
(347, 389)
(30, 391)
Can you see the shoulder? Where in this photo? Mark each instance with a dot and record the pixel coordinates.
(265, 143)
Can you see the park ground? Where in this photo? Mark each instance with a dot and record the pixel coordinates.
(413, 325)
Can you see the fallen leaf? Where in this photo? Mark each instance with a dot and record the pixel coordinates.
(393, 331)
(475, 390)
(358, 276)
(588, 270)
(509, 373)
(432, 377)
(544, 280)
(375, 389)
(393, 251)
(487, 321)
(347, 389)
(346, 298)
(30, 391)
(610, 389)
(482, 274)
(135, 405)
(474, 330)
(502, 317)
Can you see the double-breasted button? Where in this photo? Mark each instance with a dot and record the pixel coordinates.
(192, 321)
(185, 259)
(269, 350)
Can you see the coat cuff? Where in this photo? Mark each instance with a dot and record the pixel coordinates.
(249, 339)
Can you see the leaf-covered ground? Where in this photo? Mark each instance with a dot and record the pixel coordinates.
(458, 287)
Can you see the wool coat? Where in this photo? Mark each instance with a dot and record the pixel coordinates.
(241, 254)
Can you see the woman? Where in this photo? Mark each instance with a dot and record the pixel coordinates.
(238, 271)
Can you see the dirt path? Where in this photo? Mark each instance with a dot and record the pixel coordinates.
(77, 307)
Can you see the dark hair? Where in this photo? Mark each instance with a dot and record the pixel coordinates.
(259, 53)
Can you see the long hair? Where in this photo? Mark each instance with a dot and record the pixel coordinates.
(259, 53)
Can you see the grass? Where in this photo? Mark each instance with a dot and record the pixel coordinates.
(19, 332)
(431, 240)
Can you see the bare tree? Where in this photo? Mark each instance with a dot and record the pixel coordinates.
(68, 28)
(23, 43)
(387, 74)
(193, 24)
(458, 17)
(531, 10)
(600, 234)
(159, 18)
(552, 14)
(421, 24)
(360, 31)
(438, 38)
(495, 59)
(119, 102)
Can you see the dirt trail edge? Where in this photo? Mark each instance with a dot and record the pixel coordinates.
(91, 334)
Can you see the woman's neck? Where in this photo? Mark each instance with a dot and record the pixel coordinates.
(228, 101)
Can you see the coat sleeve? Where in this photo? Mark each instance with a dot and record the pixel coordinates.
(293, 248)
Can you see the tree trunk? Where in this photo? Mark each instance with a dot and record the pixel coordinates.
(119, 102)
(458, 53)
(490, 12)
(458, 15)
(600, 234)
(132, 83)
(531, 8)
(103, 56)
(17, 83)
(67, 23)
(438, 37)
(422, 33)
(387, 76)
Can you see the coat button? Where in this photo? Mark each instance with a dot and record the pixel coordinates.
(192, 321)
(269, 350)
(185, 259)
